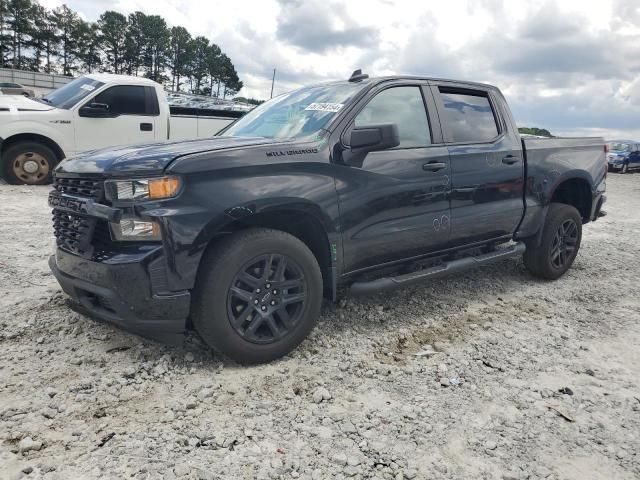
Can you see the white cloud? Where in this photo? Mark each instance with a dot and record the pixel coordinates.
(567, 65)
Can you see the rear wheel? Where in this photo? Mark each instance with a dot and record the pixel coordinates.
(29, 163)
(258, 295)
(561, 237)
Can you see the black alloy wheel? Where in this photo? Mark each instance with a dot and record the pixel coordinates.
(550, 255)
(564, 244)
(266, 299)
(258, 295)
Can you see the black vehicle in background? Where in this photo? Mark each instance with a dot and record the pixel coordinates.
(367, 183)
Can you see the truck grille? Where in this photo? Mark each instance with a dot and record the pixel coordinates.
(73, 232)
(86, 187)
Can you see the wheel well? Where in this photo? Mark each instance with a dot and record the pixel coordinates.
(303, 226)
(33, 137)
(575, 192)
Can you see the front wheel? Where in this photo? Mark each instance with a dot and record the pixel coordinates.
(29, 163)
(561, 237)
(258, 295)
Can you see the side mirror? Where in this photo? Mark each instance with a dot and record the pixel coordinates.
(373, 138)
(95, 110)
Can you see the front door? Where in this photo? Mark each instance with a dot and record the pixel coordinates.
(487, 168)
(130, 118)
(396, 204)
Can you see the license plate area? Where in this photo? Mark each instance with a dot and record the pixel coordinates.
(67, 203)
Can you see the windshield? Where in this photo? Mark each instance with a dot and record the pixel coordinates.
(620, 147)
(74, 91)
(295, 114)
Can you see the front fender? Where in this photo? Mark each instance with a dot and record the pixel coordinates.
(212, 201)
(62, 134)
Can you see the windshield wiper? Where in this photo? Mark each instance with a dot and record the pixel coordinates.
(43, 99)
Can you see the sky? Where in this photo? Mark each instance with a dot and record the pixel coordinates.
(571, 66)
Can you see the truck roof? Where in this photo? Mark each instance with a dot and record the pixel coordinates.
(130, 79)
(421, 78)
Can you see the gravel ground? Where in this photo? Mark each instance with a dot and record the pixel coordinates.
(515, 378)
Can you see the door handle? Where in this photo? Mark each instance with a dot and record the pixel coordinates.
(146, 127)
(434, 166)
(510, 160)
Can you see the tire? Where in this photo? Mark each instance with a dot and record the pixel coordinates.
(29, 163)
(556, 252)
(625, 168)
(236, 305)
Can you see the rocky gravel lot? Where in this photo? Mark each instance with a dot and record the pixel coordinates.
(490, 374)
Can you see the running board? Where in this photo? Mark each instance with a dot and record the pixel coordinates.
(454, 266)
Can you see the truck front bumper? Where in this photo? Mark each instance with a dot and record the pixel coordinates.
(122, 294)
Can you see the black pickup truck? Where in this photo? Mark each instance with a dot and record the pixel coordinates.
(368, 183)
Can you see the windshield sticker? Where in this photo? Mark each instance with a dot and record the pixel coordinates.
(325, 107)
(90, 88)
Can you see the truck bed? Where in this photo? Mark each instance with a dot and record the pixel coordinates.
(186, 123)
(549, 162)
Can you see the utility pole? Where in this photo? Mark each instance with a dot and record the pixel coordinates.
(272, 82)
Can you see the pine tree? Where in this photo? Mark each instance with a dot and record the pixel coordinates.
(51, 42)
(180, 53)
(20, 23)
(113, 27)
(67, 23)
(89, 41)
(134, 43)
(214, 60)
(5, 37)
(157, 38)
(198, 67)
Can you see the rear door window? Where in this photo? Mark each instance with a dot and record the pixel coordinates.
(468, 117)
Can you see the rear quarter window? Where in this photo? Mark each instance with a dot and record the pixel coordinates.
(468, 117)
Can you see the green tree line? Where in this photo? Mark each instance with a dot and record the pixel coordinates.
(59, 41)
(541, 132)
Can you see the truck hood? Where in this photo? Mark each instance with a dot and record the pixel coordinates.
(618, 153)
(19, 103)
(150, 158)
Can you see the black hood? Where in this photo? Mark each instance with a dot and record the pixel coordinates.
(150, 158)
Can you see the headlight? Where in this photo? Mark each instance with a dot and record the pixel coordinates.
(143, 189)
(135, 230)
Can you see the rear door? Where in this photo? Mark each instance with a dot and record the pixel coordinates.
(395, 205)
(133, 111)
(487, 165)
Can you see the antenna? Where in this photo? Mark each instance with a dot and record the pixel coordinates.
(273, 80)
(357, 76)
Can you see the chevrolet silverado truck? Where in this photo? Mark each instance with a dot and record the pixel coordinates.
(92, 112)
(363, 184)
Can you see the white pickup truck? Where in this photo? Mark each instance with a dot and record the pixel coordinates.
(92, 111)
